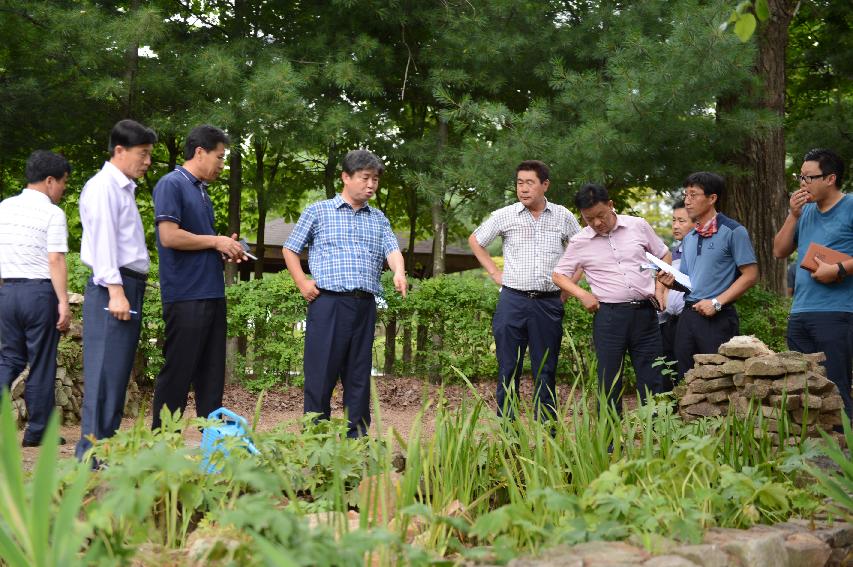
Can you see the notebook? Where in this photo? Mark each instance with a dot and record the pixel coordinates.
(825, 254)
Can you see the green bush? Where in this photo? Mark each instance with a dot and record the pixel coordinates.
(764, 314)
(270, 314)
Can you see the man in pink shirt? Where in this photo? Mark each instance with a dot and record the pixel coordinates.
(610, 251)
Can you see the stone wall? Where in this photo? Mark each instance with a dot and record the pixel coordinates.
(745, 376)
(798, 543)
(69, 376)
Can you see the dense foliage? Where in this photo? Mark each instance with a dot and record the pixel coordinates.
(476, 488)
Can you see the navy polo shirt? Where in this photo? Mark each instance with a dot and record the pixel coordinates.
(187, 274)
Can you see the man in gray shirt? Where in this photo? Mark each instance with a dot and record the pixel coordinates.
(530, 309)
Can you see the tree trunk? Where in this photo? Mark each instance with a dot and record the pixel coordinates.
(390, 347)
(174, 151)
(235, 189)
(412, 213)
(758, 197)
(131, 59)
(439, 221)
(260, 190)
(407, 346)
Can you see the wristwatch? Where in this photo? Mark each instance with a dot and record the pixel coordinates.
(842, 273)
(717, 305)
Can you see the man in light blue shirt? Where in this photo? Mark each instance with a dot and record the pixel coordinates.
(822, 314)
(718, 257)
(347, 241)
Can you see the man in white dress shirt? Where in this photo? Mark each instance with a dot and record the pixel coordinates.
(34, 298)
(113, 246)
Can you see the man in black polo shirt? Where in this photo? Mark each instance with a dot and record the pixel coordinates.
(192, 285)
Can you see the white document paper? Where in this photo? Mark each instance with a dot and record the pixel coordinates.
(680, 277)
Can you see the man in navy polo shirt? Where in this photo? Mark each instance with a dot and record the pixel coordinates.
(347, 240)
(718, 256)
(822, 314)
(192, 284)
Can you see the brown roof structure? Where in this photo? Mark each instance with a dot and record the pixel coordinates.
(276, 231)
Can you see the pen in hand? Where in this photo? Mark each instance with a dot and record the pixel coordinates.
(132, 312)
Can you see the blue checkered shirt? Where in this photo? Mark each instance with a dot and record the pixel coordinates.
(346, 248)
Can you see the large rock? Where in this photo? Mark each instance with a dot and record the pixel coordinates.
(758, 389)
(734, 366)
(767, 365)
(610, 552)
(707, 371)
(806, 550)
(792, 383)
(832, 403)
(719, 396)
(703, 409)
(690, 399)
(705, 555)
(705, 386)
(709, 359)
(743, 347)
(755, 548)
(791, 402)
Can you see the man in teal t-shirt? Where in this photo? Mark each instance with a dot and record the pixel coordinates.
(822, 314)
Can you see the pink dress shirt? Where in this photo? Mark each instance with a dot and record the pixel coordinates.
(113, 236)
(612, 263)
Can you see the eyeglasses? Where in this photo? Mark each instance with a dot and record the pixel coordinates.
(808, 178)
(688, 196)
(528, 182)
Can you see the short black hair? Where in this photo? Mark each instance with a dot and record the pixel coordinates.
(590, 194)
(43, 164)
(357, 160)
(128, 133)
(206, 137)
(678, 204)
(829, 161)
(538, 167)
(710, 183)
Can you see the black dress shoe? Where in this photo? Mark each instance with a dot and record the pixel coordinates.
(30, 443)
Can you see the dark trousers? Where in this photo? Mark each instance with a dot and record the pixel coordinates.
(831, 334)
(339, 345)
(668, 332)
(109, 347)
(521, 322)
(194, 353)
(28, 316)
(617, 329)
(698, 334)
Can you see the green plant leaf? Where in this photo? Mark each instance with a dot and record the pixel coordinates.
(745, 27)
(762, 10)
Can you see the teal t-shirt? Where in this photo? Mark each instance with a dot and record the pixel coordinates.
(833, 229)
(712, 263)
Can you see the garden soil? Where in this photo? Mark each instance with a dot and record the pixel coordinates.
(400, 401)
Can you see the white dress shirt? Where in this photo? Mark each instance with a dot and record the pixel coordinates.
(113, 236)
(30, 227)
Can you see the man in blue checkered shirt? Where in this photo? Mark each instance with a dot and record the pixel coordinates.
(347, 241)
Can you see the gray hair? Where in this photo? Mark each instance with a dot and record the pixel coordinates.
(357, 160)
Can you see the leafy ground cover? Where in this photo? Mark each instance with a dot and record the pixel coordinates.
(476, 488)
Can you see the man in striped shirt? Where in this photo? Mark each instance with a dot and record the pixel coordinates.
(530, 309)
(33, 297)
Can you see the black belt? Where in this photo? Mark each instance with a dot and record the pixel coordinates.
(359, 293)
(635, 304)
(26, 280)
(690, 304)
(133, 274)
(533, 294)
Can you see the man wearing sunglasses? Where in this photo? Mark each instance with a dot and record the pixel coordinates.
(822, 313)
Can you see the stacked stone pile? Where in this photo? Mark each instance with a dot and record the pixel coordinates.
(69, 375)
(746, 374)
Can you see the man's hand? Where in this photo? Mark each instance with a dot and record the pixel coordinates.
(705, 308)
(564, 295)
(589, 302)
(497, 277)
(308, 289)
(798, 201)
(119, 307)
(231, 250)
(400, 283)
(666, 278)
(661, 295)
(825, 273)
(64, 320)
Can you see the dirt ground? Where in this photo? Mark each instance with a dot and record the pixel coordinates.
(400, 400)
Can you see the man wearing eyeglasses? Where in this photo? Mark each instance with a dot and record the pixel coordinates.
(530, 310)
(822, 313)
(719, 258)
